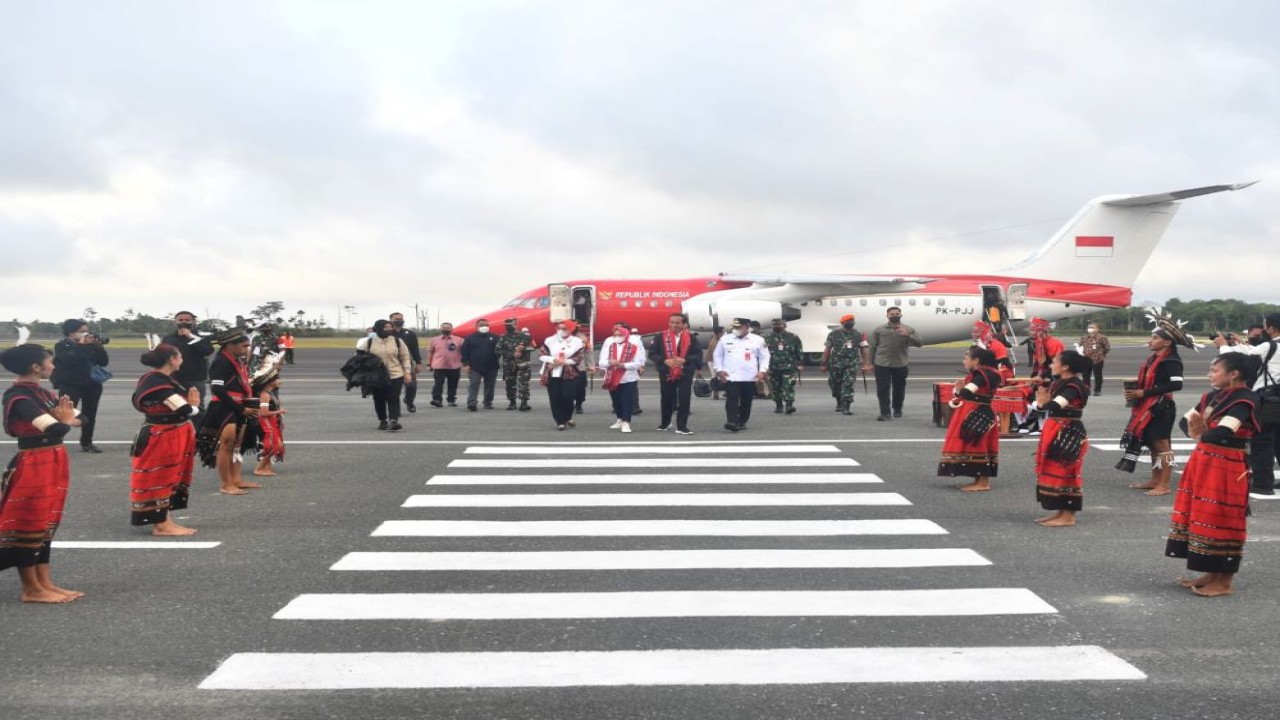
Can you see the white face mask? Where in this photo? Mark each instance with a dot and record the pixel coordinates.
(483, 329)
(1093, 331)
(563, 333)
(742, 332)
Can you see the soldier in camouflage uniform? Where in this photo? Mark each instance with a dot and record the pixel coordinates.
(516, 350)
(786, 357)
(840, 355)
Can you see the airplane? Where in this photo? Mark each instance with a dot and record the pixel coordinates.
(1088, 265)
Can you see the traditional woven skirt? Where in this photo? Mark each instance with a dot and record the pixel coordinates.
(207, 440)
(1207, 526)
(271, 439)
(969, 459)
(1059, 485)
(31, 507)
(161, 478)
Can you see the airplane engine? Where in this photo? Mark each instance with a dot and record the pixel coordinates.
(704, 314)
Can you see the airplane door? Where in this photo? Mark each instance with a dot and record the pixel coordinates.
(1018, 301)
(584, 305)
(561, 302)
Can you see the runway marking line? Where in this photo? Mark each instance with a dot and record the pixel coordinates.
(656, 500)
(663, 479)
(653, 528)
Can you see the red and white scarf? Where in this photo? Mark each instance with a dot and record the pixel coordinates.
(613, 376)
(675, 345)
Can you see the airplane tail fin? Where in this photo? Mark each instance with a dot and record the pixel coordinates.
(1109, 241)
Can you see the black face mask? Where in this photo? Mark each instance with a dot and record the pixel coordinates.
(446, 333)
(847, 326)
(186, 325)
(895, 320)
(1258, 340)
(398, 323)
(384, 333)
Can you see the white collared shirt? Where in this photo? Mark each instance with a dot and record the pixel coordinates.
(563, 348)
(743, 358)
(637, 362)
(1261, 351)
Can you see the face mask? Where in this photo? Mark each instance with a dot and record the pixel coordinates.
(1258, 340)
(777, 329)
(483, 329)
(742, 332)
(186, 325)
(398, 323)
(383, 333)
(563, 333)
(1093, 331)
(895, 320)
(847, 326)
(446, 333)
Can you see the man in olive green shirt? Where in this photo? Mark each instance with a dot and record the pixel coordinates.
(889, 346)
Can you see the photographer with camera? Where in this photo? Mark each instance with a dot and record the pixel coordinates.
(1264, 447)
(195, 350)
(79, 362)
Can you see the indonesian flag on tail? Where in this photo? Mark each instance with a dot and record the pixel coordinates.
(1095, 246)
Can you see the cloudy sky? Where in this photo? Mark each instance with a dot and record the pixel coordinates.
(214, 155)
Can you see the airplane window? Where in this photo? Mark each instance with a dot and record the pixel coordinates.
(544, 301)
(863, 302)
(926, 302)
(833, 302)
(653, 303)
(941, 302)
(848, 302)
(669, 304)
(911, 302)
(883, 302)
(518, 302)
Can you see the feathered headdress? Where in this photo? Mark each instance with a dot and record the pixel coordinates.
(1169, 328)
(269, 370)
(24, 334)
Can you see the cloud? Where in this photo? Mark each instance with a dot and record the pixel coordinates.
(454, 155)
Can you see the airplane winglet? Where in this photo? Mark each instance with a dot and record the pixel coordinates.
(1168, 197)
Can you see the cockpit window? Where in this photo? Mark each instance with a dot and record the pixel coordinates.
(543, 301)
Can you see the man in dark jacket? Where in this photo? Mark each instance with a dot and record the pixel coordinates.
(195, 350)
(480, 364)
(73, 358)
(410, 339)
(678, 356)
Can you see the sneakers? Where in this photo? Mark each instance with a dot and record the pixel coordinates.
(90, 448)
(394, 426)
(411, 407)
(683, 432)
(664, 428)
(437, 403)
(382, 424)
(616, 424)
(626, 427)
(560, 427)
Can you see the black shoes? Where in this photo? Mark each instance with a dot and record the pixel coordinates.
(453, 404)
(394, 426)
(897, 413)
(411, 407)
(382, 424)
(524, 407)
(732, 428)
(882, 418)
(637, 411)
(577, 409)
(472, 408)
(846, 411)
(488, 406)
(778, 408)
(437, 403)
(511, 405)
(90, 448)
(790, 408)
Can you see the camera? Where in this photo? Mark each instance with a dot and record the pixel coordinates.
(100, 339)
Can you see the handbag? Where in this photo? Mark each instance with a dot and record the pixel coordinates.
(99, 374)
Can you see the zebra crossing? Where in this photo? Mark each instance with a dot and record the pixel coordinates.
(507, 492)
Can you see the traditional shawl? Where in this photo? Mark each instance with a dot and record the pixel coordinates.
(613, 376)
(675, 346)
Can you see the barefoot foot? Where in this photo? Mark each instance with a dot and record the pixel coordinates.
(1196, 582)
(1157, 492)
(976, 486)
(232, 491)
(249, 485)
(45, 596)
(1063, 521)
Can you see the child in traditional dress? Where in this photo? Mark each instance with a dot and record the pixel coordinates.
(270, 422)
(972, 447)
(1064, 441)
(33, 490)
(1207, 526)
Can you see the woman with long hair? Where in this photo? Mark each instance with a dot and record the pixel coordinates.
(33, 491)
(1064, 441)
(972, 447)
(164, 450)
(1207, 526)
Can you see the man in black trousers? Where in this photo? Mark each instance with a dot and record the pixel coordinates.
(678, 356)
(410, 339)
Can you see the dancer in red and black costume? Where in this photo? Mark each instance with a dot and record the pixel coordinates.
(1153, 413)
(984, 337)
(164, 451)
(34, 487)
(266, 387)
(229, 412)
(972, 447)
(1044, 347)
(1207, 526)
(1065, 442)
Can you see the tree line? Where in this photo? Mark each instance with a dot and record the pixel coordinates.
(1203, 317)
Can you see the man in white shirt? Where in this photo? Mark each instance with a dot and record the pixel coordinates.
(741, 358)
(1264, 448)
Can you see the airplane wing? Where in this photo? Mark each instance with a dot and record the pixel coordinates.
(1161, 198)
(794, 289)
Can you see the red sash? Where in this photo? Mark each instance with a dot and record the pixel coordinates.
(1142, 411)
(675, 346)
(613, 376)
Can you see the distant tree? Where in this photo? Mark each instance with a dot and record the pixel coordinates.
(268, 310)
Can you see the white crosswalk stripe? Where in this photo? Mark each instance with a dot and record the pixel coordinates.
(497, 515)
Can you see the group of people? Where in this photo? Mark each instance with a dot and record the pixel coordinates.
(244, 415)
(1236, 435)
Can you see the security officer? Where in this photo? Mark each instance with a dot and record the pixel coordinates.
(516, 349)
(840, 355)
(786, 358)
